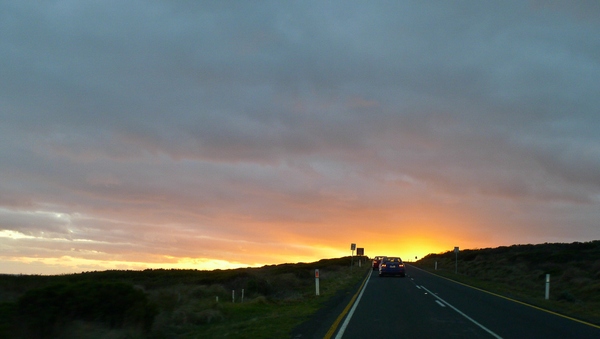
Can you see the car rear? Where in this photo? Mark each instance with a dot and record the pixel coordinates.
(392, 266)
(376, 262)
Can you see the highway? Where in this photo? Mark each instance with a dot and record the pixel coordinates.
(423, 305)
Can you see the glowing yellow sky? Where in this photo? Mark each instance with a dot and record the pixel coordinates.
(56, 255)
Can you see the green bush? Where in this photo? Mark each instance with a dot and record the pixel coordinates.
(113, 304)
(7, 312)
(259, 286)
(566, 296)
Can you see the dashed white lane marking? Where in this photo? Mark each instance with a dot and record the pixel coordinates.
(464, 315)
(440, 303)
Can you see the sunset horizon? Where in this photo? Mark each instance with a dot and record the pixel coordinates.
(75, 265)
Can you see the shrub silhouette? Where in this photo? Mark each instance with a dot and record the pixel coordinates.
(113, 304)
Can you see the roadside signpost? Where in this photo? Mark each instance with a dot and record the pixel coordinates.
(352, 248)
(360, 251)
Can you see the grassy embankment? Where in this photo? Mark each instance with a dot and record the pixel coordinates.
(170, 303)
(519, 272)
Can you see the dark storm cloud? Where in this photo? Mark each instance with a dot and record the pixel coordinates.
(215, 117)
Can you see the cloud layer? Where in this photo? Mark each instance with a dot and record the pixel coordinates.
(190, 134)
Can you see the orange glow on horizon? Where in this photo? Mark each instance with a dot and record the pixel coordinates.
(289, 249)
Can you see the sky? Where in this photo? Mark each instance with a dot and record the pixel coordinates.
(222, 134)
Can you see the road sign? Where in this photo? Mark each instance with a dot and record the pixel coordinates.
(352, 247)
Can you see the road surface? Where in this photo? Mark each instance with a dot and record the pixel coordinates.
(423, 305)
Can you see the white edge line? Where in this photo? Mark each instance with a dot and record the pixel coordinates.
(349, 316)
(464, 315)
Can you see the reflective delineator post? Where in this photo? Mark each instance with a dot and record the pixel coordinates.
(232, 296)
(547, 286)
(317, 281)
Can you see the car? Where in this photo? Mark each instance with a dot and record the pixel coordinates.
(376, 262)
(392, 266)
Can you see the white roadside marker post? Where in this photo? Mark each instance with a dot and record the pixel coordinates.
(317, 281)
(547, 286)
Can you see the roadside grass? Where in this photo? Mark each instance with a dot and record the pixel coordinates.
(519, 272)
(183, 303)
(290, 300)
(257, 319)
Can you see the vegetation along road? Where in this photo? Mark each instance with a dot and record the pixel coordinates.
(424, 305)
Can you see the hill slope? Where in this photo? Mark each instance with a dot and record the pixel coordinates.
(265, 302)
(519, 272)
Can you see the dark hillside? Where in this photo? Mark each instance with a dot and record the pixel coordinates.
(168, 303)
(519, 271)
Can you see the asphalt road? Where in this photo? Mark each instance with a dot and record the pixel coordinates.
(423, 305)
